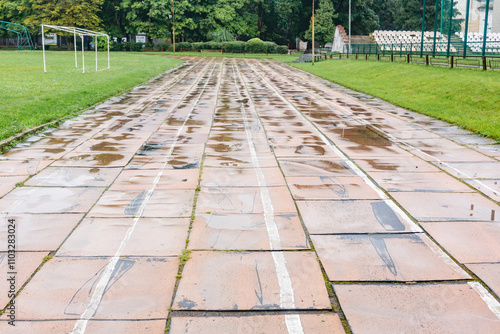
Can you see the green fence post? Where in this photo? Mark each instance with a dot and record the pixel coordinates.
(466, 27)
(423, 29)
(486, 26)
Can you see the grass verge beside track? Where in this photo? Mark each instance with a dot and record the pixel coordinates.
(468, 98)
(30, 97)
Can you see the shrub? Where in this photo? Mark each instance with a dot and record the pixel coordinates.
(165, 46)
(234, 47)
(136, 46)
(126, 46)
(283, 49)
(115, 46)
(256, 45)
(197, 45)
(183, 46)
(271, 47)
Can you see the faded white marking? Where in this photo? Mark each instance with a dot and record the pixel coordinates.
(287, 301)
(99, 291)
(492, 303)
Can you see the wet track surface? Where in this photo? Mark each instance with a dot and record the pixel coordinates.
(304, 207)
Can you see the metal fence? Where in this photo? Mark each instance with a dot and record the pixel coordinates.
(481, 62)
(439, 48)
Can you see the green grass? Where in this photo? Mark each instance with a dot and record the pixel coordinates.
(466, 97)
(280, 57)
(30, 97)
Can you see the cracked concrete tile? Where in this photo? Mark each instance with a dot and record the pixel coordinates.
(161, 162)
(243, 200)
(138, 288)
(49, 200)
(163, 203)
(329, 187)
(432, 308)
(245, 232)
(468, 242)
(103, 236)
(425, 206)
(449, 155)
(304, 151)
(371, 152)
(239, 160)
(247, 323)
(100, 326)
(74, 177)
(312, 167)
(178, 179)
(472, 170)
(397, 165)
(249, 281)
(24, 265)
(352, 216)
(488, 273)
(240, 177)
(384, 257)
(438, 182)
(490, 188)
(35, 153)
(38, 232)
(7, 183)
(22, 167)
(95, 159)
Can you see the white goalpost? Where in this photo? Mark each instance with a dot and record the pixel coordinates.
(80, 32)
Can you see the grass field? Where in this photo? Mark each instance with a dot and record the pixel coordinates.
(468, 98)
(280, 57)
(30, 97)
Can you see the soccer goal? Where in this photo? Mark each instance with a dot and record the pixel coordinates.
(76, 32)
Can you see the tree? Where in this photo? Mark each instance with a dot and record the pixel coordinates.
(148, 16)
(324, 28)
(82, 14)
(238, 16)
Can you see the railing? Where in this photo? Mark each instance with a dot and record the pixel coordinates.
(481, 62)
(440, 48)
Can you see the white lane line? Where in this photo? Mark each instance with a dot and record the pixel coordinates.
(397, 140)
(100, 289)
(287, 301)
(492, 303)
(413, 227)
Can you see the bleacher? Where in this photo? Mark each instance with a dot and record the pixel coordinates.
(475, 41)
(389, 40)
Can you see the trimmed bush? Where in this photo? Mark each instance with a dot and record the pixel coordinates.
(165, 46)
(256, 45)
(282, 49)
(136, 46)
(234, 47)
(183, 46)
(197, 45)
(115, 46)
(271, 47)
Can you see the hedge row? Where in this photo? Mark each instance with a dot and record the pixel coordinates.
(254, 45)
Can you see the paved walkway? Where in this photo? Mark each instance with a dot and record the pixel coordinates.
(303, 207)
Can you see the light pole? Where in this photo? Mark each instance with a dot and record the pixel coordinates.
(313, 35)
(349, 27)
(173, 25)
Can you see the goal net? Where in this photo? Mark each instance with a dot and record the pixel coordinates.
(76, 32)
